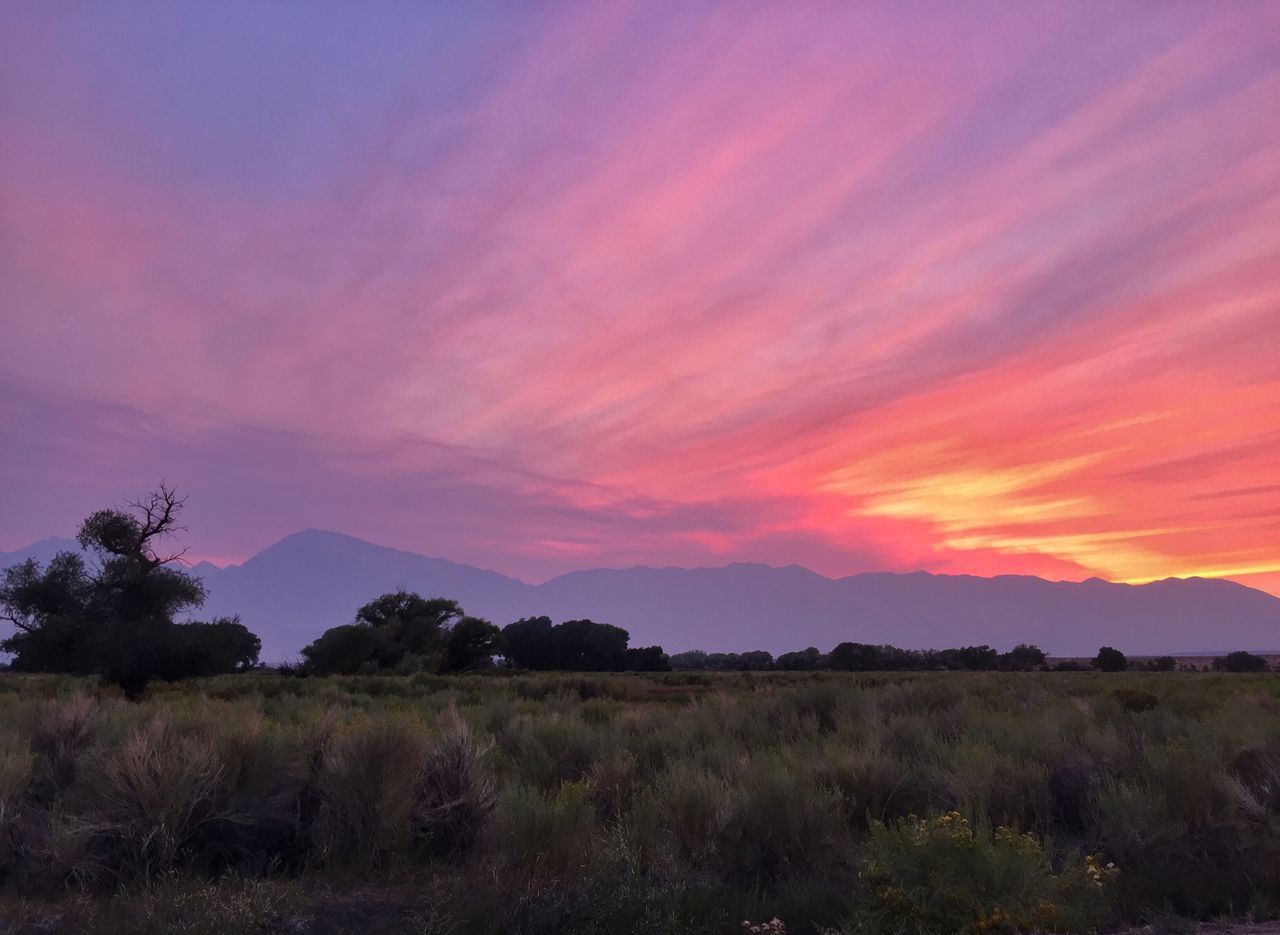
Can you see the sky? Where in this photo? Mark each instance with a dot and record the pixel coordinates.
(980, 288)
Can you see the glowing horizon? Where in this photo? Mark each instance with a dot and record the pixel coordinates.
(984, 289)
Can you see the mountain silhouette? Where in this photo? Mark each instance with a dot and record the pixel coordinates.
(292, 591)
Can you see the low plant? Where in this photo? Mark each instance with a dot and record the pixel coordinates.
(944, 874)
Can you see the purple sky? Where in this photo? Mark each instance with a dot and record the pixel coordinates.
(963, 287)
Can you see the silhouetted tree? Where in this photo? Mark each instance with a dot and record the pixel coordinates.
(221, 645)
(575, 645)
(1240, 661)
(587, 646)
(472, 644)
(805, 660)
(1110, 660)
(757, 660)
(647, 659)
(529, 643)
(854, 657)
(1163, 664)
(398, 631)
(346, 650)
(1023, 658)
(415, 625)
(969, 659)
(116, 619)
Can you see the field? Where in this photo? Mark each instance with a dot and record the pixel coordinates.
(675, 802)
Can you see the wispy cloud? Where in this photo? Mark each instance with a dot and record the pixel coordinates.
(984, 288)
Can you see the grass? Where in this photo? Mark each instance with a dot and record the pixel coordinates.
(641, 803)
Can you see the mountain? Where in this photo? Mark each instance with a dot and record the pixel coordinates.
(41, 551)
(292, 591)
(312, 580)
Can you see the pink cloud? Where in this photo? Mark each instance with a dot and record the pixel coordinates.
(986, 291)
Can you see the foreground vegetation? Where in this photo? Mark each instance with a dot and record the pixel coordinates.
(663, 802)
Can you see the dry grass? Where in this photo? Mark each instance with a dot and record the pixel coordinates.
(626, 803)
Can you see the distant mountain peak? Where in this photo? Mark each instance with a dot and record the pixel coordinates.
(316, 578)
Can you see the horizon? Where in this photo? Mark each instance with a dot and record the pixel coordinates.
(980, 290)
(193, 561)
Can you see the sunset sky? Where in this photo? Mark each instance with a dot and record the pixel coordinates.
(974, 288)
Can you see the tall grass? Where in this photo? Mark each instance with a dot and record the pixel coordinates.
(611, 803)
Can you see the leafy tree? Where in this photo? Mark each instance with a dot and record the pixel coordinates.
(575, 645)
(47, 610)
(1110, 660)
(397, 631)
(855, 657)
(221, 645)
(804, 661)
(414, 625)
(969, 659)
(647, 659)
(757, 660)
(865, 657)
(587, 646)
(473, 643)
(529, 643)
(1023, 658)
(1240, 661)
(693, 659)
(116, 618)
(1163, 664)
(345, 650)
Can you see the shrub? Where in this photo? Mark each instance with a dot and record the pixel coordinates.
(456, 793)
(943, 875)
(872, 784)
(781, 823)
(1110, 660)
(156, 791)
(1240, 661)
(693, 807)
(59, 737)
(1136, 700)
(544, 838)
(365, 783)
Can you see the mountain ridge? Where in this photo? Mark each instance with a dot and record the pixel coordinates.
(295, 588)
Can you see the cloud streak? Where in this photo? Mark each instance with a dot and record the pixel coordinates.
(987, 289)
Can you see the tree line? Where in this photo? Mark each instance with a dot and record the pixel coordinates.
(114, 617)
(405, 632)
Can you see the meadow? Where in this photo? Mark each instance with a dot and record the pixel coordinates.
(627, 803)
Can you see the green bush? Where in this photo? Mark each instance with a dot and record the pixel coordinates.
(942, 874)
(620, 803)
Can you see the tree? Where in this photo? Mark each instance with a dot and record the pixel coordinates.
(221, 645)
(397, 631)
(647, 659)
(529, 643)
(756, 660)
(47, 609)
(345, 650)
(116, 619)
(587, 646)
(970, 658)
(803, 661)
(1110, 660)
(855, 657)
(575, 645)
(1023, 658)
(1163, 664)
(472, 644)
(1240, 661)
(414, 625)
